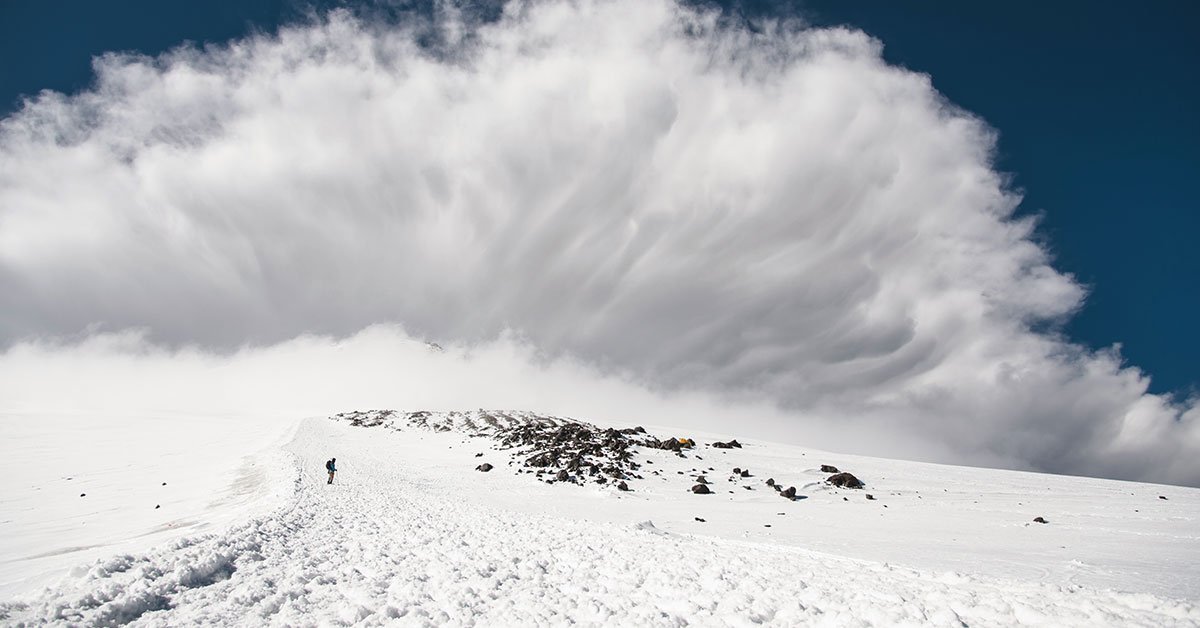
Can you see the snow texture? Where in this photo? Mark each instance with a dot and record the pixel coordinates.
(411, 534)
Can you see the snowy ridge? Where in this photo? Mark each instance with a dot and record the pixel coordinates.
(412, 534)
(410, 544)
(473, 422)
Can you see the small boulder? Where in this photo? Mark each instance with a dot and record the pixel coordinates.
(699, 519)
(701, 489)
(562, 476)
(737, 470)
(844, 480)
(701, 479)
(870, 497)
(485, 467)
(828, 468)
(1162, 496)
(621, 486)
(1039, 520)
(479, 455)
(770, 481)
(789, 492)
(745, 473)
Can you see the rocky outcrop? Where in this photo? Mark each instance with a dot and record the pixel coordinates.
(844, 480)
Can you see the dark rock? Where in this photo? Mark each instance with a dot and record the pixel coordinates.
(701, 489)
(828, 468)
(83, 494)
(562, 476)
(733, 444)
(157, 506)
(700, 520)
(844, 480)
(621, 486)
(479, 455)
(870, 497)
(485, 467)
(1162, 496)
(770, 481)
(766, 525)
(164, 483)
(701, 479)
(789, 492)
(745, 473)
(1039, 520)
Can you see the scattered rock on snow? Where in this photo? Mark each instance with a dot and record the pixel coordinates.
(701, 489)
(1162, 496)
(745, 473)
(1039, 520)
(870, 497)
(789, 492)
(701, 479)
(771, 482)
(828, 468)
(562, 476)
(844, 480)
(699, 519)
(733, 444)
(485, 467)
(622, 486)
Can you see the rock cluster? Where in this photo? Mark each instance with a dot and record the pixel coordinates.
(733, 444)
(580, 452)
(844, 480)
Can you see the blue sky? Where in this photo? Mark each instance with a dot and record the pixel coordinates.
(1095, 104)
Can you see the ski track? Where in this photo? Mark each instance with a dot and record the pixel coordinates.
(386, 545)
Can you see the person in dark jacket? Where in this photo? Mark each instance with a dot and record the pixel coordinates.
(331, 467)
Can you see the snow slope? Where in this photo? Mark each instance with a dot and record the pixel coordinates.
(81, 487)
(412, 534)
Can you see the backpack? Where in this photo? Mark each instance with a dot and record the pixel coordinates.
(329, 466)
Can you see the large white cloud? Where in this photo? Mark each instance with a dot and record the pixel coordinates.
(772, 215)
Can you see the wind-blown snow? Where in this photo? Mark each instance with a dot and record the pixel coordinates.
(409, 533)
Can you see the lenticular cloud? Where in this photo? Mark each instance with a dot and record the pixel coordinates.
(770, 213)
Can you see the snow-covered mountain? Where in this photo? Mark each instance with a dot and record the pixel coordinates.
(513, 518)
